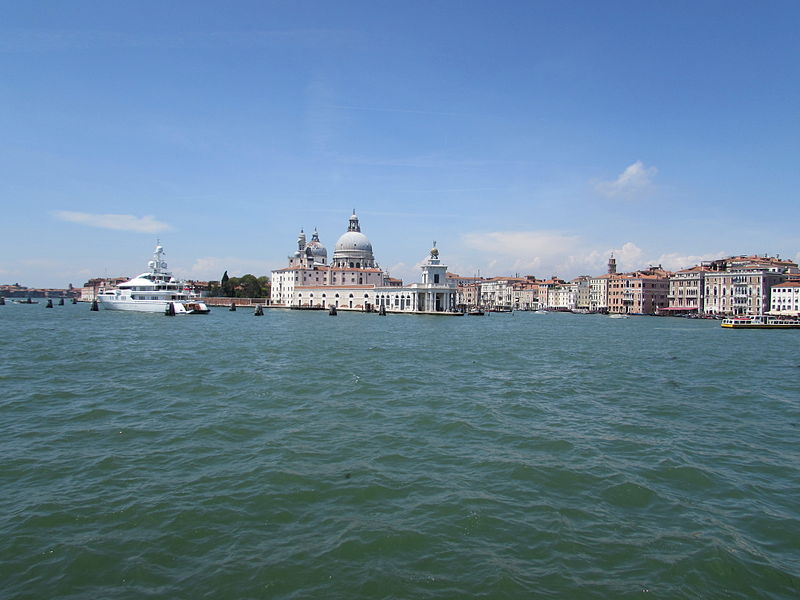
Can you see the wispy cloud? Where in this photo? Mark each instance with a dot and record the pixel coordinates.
(633, 183)
(145, 224)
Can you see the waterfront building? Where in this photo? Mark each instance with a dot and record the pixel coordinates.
(545, 288)
(467, 289)
(90, 289)
(525, 295)
(598, 293)
(582, 291)
(354, 280)
(16, 290)
(497, 292)
(687, 290)
(563, 296)
(741, 285)
(468, 295)
(640, 292)
(785, 299)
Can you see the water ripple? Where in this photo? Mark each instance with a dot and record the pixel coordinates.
(285, 457)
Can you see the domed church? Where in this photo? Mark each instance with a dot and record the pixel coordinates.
(354, 281)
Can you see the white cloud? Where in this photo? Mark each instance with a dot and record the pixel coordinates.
(146, 224)
(520, 243)
(525, 252)
(408, 273)
(629, 257)
(633, 183)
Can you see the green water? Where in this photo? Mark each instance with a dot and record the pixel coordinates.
(298, 455)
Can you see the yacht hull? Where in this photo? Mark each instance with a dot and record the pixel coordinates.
(154, 306)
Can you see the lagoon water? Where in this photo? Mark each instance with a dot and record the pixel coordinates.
(298, 455)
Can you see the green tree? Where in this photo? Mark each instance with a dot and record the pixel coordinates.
(249, 287)
(266, 286)
(225, 287)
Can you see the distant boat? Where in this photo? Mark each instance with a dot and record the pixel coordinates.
(618, 316)
(475, 313)
(540, 312)
(25, 301)
(760, 322)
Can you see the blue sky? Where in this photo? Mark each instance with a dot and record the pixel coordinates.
(525, 137)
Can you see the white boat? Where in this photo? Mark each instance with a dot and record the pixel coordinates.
(618, 316)
(154, 291)
(760, 322)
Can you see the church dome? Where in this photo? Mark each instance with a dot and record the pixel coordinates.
(353, 241)
(316, 250)
(353, 249)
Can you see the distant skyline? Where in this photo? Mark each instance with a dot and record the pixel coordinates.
(525, 137)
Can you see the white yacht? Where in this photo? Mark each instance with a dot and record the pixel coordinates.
(154, 291)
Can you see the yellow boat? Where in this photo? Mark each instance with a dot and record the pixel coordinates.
(760, 322)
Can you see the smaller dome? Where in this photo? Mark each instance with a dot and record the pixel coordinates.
(317, 249)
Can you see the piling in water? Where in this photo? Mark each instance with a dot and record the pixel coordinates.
(2, 301)
(233, 307)
(74, 300)
(382, 310)
(259, 312)
(170, 312)
(94, 306)
(332, 311)
(49, 303)
(61, 301)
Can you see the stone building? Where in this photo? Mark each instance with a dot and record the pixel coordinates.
(640, 292)
(355, 281)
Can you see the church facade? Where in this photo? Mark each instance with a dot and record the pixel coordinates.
(354, 281)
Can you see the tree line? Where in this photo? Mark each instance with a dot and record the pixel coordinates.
(246, 286)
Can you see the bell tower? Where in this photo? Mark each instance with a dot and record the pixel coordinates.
(612, 265)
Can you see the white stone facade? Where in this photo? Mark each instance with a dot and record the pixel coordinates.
(598, 293)
(309, 283)
(785, 299)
